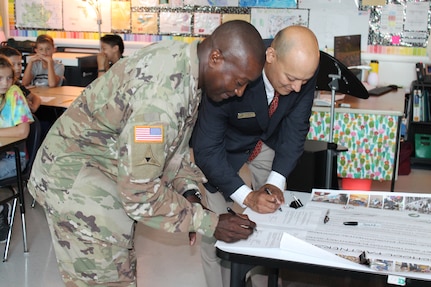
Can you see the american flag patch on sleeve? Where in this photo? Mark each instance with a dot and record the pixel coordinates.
(149, 134)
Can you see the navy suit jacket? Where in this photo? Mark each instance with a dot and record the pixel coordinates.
(226, 133)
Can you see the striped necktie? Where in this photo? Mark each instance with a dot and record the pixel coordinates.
(272, 107)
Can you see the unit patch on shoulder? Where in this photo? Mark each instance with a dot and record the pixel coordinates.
(149, 157)
(148, 134)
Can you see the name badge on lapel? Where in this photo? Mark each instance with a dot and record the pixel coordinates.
(246, 115)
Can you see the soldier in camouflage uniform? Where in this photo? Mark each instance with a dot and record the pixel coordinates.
(120, 154)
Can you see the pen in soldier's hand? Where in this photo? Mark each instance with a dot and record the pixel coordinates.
(231, 211)
(326, 219)
(270, 193)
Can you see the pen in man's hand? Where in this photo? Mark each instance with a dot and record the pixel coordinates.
(270, 193)
(231, 211)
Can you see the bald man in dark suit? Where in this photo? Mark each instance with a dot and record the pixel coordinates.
(241, 131)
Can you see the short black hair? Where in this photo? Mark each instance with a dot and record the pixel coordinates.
(113, 40)
(9, 51)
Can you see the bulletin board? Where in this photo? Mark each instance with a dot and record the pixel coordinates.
(159, 17)
(386, 26)
(399, 23)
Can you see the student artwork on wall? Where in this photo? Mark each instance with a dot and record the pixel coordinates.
(269, 3)
(145, 3)
(205, 23)
(269, 21)
(45, 14)
(175, 23)
(144, 23)
(81, 16)
(230, 17)
(120, 16)
(403, 23)
(136, 18)
(221, 3)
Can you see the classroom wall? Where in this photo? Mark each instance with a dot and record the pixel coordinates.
(327, 18)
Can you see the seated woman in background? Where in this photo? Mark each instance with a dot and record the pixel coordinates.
(112, 48)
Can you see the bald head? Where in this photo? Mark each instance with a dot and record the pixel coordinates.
(299, 44)
(292, 59)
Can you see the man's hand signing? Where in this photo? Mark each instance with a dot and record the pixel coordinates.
(263, 201)
(233, 227)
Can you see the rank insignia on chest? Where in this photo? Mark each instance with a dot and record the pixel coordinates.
(148, 134)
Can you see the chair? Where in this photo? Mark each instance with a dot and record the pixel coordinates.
(17, 192)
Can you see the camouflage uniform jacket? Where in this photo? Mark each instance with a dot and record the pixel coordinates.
(133, 125)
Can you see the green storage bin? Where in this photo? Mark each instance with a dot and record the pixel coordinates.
(423, 145)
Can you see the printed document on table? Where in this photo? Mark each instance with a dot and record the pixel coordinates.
(392, 229)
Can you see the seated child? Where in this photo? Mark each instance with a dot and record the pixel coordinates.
(15, 57)
(42, 69)
(112, 48)
(15, 119)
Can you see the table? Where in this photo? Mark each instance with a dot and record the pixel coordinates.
(297, 255)
(54, 102)
(12, 144)
(242, 263)
(369, 129)
(60, 97)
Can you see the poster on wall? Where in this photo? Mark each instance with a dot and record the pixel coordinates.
(417, 16)
(231, 17)
(144, 23)
(269, 21)
(82, 16)
(120, 15)
(205, 23)
(269, 3)
(233, 3)
(175, 23)
(45, 14)
(392, 18)
(145, 3)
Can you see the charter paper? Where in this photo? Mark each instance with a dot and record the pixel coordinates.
(392, 229)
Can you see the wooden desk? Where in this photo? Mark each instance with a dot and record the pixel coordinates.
(369, 129)
(60, 97)
(7, 143)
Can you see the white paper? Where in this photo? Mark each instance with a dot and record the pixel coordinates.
(394, 231)
(416, 16)
(175, 23)
(269, 21)
(46, 99)
(392, 19)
